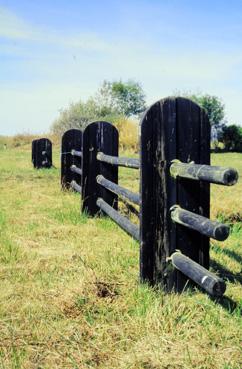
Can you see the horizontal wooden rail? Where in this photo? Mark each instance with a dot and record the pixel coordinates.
(132, 209)
(204, 278)
(205, 226)
(75, 169)
(76, 153)
(209, 173)
(118, 190)
(122, 221)
(115, 160)
(76, 186)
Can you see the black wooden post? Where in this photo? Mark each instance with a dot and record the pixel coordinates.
(43, 153)
(34, 143)
(173, 128)
(98, 137)
(71, 145)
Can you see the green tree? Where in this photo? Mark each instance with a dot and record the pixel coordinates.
(113, 101)
(231, 136)
(79, 114)
(213, 105)
(125, 98)
(214, 108)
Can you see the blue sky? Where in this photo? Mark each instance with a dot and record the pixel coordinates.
(56, 52)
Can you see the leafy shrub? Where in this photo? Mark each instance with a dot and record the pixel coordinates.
(79, 114)
(231, 137)
(114, 102)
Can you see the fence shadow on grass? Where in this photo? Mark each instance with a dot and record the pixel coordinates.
(228, 304)
(225, 273)
(232, 255)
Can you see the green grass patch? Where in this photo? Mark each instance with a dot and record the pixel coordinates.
(70, 292)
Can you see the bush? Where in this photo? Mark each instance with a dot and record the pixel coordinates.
(113, 102)
(231, 137)
(79, 114)
(24, 140)
(125, 98)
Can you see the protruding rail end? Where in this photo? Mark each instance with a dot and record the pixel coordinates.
(100, 155)
(221, 232)
(212, 174)
(199, 223)
(214, 285)
(99, 178)
(230, 177)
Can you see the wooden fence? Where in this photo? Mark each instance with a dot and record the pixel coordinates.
(175, 175)
(42, 153)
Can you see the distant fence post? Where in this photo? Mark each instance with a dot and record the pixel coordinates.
(42, 153)
(98, 137)
(71, 145)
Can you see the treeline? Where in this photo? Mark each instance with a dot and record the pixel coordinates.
(224, 137)
(122, 103)
(113, 101)
(118, 102)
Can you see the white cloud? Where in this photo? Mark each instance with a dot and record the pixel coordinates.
(14, 28)
(61, 69)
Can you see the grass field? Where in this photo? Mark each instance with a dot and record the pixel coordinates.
(70, 296)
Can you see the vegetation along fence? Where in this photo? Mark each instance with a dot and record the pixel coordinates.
(42, 153)
(175, 175)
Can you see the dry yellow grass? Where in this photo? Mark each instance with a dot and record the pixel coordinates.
(128, 134)
(70, 295)
(24, 140)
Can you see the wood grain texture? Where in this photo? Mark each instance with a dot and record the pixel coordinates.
(71, 140)
(173, 128)
(98, 136)
(42, 157)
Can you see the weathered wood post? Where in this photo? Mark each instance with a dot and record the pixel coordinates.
(42, 153)
(71, 160)
(34, 142)
(98, 137)
(175, 197)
